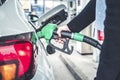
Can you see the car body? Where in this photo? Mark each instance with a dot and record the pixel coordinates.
(20, 58)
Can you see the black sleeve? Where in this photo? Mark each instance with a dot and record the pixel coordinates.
(84, 18)
(112, 20)
(3, 1)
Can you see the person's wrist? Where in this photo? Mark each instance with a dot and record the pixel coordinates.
(67, 28)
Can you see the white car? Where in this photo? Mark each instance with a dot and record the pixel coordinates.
(20, 58)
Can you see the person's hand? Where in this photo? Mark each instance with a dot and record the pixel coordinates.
(60, 29)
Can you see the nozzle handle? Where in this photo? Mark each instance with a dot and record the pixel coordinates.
(64, 34)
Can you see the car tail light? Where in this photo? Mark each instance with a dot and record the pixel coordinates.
(100, 35)
(8, 71)
(24, 52)
(20, 51)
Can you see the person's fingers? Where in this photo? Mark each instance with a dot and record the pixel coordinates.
(62, 28)
(59, 31)
(61, 40)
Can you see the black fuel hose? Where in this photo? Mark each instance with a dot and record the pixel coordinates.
(80, 37)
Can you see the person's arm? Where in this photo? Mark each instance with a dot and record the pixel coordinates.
(84, 18)
(2, 1)
(112, 20)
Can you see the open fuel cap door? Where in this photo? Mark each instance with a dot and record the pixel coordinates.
(56, 15)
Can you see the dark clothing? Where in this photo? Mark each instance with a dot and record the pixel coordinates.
(3, 1)
(112, 20)
(109, 65)
(86, 17)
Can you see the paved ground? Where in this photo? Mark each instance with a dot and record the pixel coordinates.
(82, 65)
(60, 70)
(73, 67)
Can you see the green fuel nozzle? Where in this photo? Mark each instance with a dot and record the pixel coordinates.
(46, 32)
